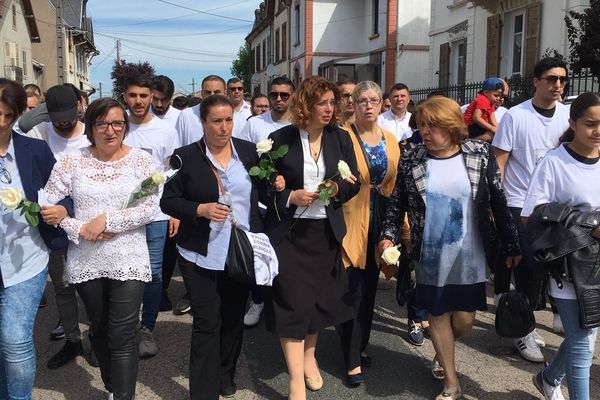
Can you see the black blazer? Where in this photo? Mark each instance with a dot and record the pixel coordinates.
(196, 184)
(35, 162)
(337, 146)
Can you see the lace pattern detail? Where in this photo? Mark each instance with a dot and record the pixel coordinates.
(98, 187)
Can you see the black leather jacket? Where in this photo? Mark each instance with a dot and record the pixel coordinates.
(564, 244)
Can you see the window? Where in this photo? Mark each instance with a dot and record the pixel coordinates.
(269, 50)
(284, 41)
(252, 61)
(375, 16)
(24, 63)
(461, 75)
(11, 54)
(517, 44)
(258, 58)
(297, 13)
(14, 17)
(264, 54)
(277, 55)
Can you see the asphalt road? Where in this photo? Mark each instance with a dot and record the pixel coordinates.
(489, 367)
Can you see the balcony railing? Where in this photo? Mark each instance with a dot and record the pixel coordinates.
(521, 89)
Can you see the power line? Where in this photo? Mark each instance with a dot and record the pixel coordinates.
(176, 58)
(207, 13)
(228, 30)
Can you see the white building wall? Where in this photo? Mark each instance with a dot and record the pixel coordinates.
(18, 35)
(259, 78)
(413, 30)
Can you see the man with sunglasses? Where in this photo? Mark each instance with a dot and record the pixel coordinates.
(260, 127)
(64, 133)
(241, 109)
(525, 134)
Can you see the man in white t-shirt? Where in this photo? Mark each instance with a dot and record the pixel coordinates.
(396, 119)
(64, 133)
(189, 128)
(525, 134)
(241, 109)
(162, 97)
(261, 126)
(152, 134)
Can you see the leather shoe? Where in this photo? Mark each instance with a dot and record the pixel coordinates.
(313, 384)
(355, 380)
(69, 352)
(228, 391)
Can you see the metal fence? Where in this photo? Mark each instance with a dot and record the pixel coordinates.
(521, 89)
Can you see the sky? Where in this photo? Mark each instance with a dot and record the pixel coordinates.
(182, 39)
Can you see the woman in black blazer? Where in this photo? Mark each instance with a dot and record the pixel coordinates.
(311, 290)
(218, 303)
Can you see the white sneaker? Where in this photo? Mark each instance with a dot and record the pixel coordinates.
(110, 396)
(550, 392)
(539, 340)
(253, 314)
(529, 349)
(557, 325)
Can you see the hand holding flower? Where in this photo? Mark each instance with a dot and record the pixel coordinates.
(391, 255)
(12, 198)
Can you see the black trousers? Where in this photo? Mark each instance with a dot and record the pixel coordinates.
(169, 259)
(218, 306)
(355, 333)
(113, 309)
(527, 278)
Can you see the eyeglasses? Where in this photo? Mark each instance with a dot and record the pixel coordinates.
(551, 79)
(262, 106)
(284, 95)
(236, 88)
(364, 102)
(102, 126)
(346, 95)
(4, 174)
(325, 103)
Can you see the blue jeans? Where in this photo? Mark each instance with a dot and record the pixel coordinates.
(156, 234)
(574, 357)
(18, 308)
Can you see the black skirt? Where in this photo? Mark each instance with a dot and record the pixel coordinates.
(311, 291)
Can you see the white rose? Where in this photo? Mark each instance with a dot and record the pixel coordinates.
(344, 169)
(11, 197)
(391, 255)
(264, 146)
(157, 178)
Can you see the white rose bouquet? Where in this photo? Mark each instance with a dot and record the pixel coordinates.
(391, 256)
(12, 199)
(266, 166)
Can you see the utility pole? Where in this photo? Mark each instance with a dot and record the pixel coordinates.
(119, 51)
(193, 85)
(60, 44)
(100, 88)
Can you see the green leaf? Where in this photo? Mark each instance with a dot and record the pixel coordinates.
(282, 150)
(262, 174)
(263, 163)
(32, 219)
(254, 171)
(35, 207)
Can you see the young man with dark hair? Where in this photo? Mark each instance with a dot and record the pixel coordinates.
(346, 87)
(189, 129)
(259, 104)
(152, 134)
(162, 96)
(241, 109)
(396, 119)
(525, 134)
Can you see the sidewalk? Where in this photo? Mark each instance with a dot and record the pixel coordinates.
(489, 367)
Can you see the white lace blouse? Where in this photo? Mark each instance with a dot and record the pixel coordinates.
(103, 187)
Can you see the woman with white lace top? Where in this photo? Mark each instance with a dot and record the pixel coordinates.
(108, 258)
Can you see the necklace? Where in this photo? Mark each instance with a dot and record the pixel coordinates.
(315, 153)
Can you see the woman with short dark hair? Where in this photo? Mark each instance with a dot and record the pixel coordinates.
(25, 165)
(311, 290)
(108, 259)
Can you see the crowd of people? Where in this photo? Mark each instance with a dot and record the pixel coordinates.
(129, 190)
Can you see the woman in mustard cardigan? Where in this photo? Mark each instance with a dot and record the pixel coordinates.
(377, 154)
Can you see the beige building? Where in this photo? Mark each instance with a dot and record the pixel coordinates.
(18, 30)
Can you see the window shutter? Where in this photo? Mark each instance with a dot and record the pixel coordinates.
(444, 68)
(492, 59)
(532, 38)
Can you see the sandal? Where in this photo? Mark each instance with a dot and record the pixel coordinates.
(450, 394)
(437, 370)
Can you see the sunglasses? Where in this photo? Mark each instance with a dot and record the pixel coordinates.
(236, 88)
(553, 78)
(284, 95)
(4, 174)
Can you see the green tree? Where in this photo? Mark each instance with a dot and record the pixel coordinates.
(583, 32)
(120, 72)
(240, 67)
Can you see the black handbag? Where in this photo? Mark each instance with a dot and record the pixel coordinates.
(239, 264)
(514, 317)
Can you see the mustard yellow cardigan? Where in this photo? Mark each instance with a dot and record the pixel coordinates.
(356, 211)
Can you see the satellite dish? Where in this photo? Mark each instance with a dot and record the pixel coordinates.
(270, 70)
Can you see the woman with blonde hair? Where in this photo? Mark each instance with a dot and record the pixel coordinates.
(449, 185)
(311, 290)
(377, 155)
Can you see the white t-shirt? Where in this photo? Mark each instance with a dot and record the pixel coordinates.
(157, 138)
(61, 146)
(189, 128)
(528, 136)
(240, 118)
(260, 127)
(170, 116)
(397, 126)
(560, 178)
